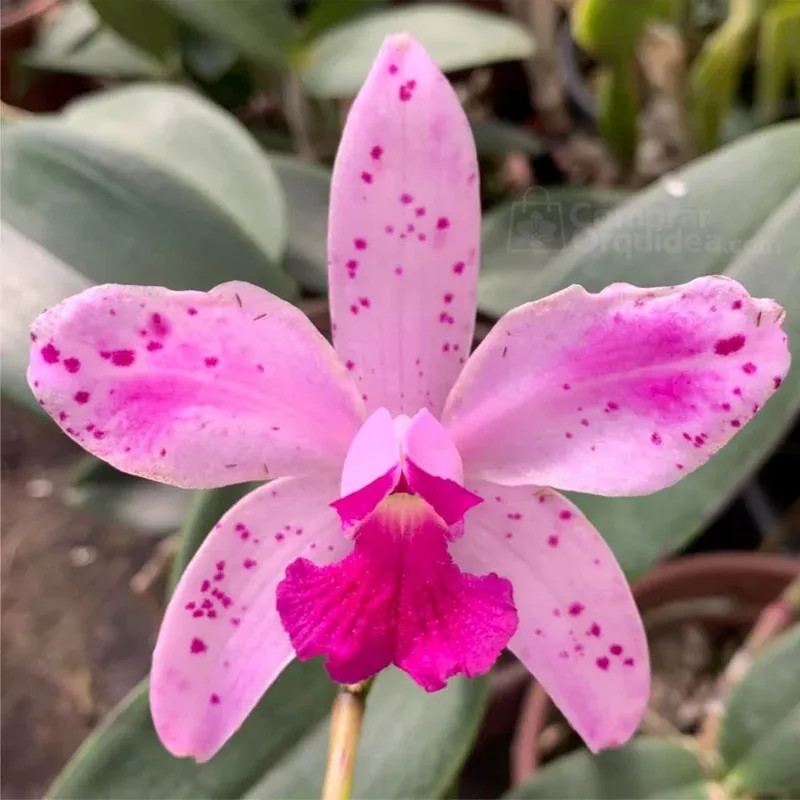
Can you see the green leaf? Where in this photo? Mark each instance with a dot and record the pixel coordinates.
(306, 189)
(197, 143)
(328, 13)
(31, 279)
(412, 744)
(520, 238)
(337, 62)
(778, 59)
(761, 727)
(123, 758)
(73, 39)
(152, 509)
(144, 24)
(735, 212)
(206, 509)
(716, 73)
(261, 31)
(114, 216)
(643, 769)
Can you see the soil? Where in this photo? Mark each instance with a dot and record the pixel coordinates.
(75, 636)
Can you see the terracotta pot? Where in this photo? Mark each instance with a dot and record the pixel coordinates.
(750, 581)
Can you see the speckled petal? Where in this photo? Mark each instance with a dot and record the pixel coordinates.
(579, 631)
(618, 393)
(404, 233)
(222, 644)
(194, 389)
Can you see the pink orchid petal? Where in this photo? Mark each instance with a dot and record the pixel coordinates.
(373, 452)
(191, 388)
(397, 598)
(404, 233)
(450, 500)
(428, 444)
(579, 632)
(222, 644)
(372, 468)
(618, 393)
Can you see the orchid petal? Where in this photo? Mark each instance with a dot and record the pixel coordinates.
(618, 393)
(404, 233)
(372, 469)
(222, 644)
(579, 631)
(194, 389)
(397, 598)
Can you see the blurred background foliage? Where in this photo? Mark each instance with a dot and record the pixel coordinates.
(189, 142)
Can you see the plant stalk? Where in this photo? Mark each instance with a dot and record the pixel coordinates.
(347, 715)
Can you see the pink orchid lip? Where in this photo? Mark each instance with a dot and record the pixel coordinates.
(382, 460)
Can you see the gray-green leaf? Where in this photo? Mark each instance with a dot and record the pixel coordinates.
(645, 769)
(761, 728)
(197, 143)
(336, 63)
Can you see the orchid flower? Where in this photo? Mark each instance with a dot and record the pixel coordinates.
(410, 517)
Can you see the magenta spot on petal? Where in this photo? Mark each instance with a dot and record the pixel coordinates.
(615, 649)
(191, 311)
(725, 406)
(576, 608)
(552, 541)
(404, 93)
(602, 662)
(205, 586)
(211, 361)
(198, 645)
(122, 358)
(72, 364)
(81, 397)
(162, 452)
(153, 346)
(566, 387)
(594, 630)
(366, 177)
(214, 699)
(735, 423)
(376, 152)
(442, 223)
(628, 662)
(738, 391)
(458, 268)
(360, 244)
(612, 406)
(514, 515)
(725, 347)
(406, 198)
(420, 212)
(585, 423)
(159, 325)
(565, 515)
(50, 354)
(777, 381)
(736, 305)
(393, 69)
(248, 563)
(749, 368)
(655, 438)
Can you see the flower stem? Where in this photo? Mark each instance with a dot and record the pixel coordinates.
(346, 717)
